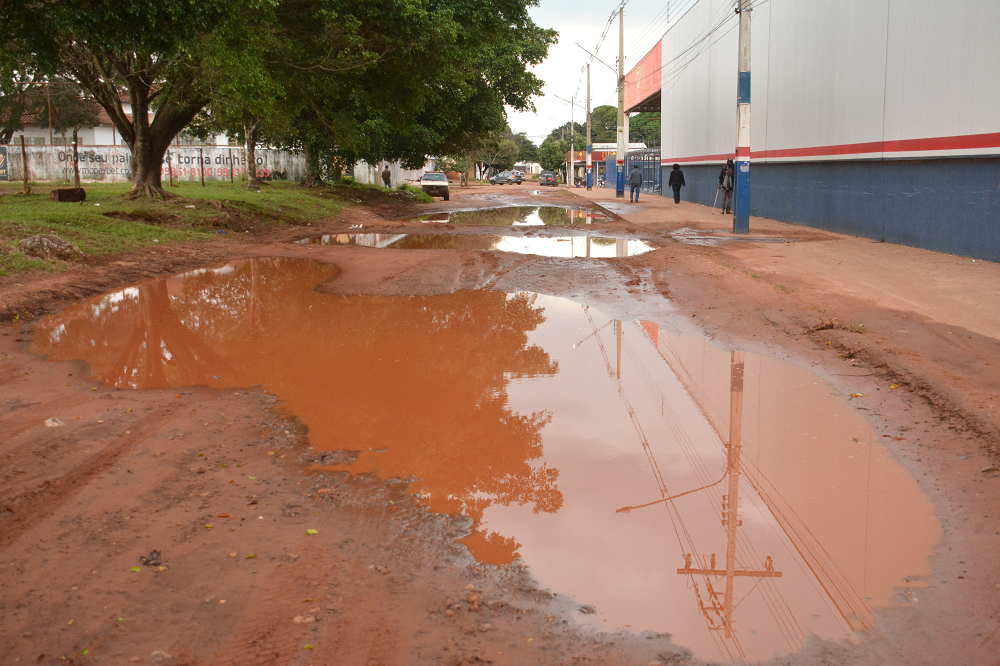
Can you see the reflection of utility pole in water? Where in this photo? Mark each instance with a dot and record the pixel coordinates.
(730, 508)
(618, 336)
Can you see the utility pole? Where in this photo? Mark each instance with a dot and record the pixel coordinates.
(590, 167)
(741, 203)
(622, 147)
(730, 510)
(572, 146)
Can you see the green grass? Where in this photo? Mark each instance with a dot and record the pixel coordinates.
(133, 225)
(419, 194)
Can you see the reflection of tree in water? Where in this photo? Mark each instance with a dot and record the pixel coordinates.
(552, 215)
(504, 217)
(597, 240)
(417, 384)
(447, 242)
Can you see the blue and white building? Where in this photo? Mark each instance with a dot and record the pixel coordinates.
(877, 118)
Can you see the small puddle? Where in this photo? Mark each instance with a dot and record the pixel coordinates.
(508, 216)
(545, 246)
(542, 419)
(694, 237)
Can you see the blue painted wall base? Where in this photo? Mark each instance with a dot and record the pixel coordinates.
(946, 205)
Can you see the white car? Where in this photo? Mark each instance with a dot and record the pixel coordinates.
(435, 183)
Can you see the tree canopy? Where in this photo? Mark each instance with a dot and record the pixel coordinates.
(341, 79)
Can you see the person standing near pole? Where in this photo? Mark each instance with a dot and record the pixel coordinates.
(727, 178)
(676, 181)
(634, 183)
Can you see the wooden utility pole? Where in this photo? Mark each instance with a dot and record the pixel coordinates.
(24, 167)
(201, 163)
(572, 146)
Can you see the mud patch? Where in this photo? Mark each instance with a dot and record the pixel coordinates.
(602, 453)
(694, 237)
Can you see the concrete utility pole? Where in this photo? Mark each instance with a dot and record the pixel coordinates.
(741, 203)
(590, 166)
(572, 145)
(622, 141)
(730, 510)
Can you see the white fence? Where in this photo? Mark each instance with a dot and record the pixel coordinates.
(371, 174)
(112, 164)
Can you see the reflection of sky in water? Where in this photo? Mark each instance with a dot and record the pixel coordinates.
(546, 246)
(843, 522)
(573, 246)
(540, 418)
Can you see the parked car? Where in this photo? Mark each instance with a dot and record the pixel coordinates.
(435, 184)
(548, 178)
(507, 178)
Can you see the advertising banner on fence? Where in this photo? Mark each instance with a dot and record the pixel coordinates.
(113, 164)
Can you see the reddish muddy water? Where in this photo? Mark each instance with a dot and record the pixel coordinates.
(542, 419)
(546, 246)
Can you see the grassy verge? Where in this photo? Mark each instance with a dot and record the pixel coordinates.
(107, 223)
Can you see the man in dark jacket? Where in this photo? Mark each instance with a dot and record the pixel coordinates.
(727, 178)
(676, 181)
(387, 177)
(634, 184)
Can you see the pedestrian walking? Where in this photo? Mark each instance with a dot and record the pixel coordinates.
(387, 177)
(634, 183)
(727, 178)
(676, 181)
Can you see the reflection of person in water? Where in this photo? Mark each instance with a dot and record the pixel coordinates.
(417, 384)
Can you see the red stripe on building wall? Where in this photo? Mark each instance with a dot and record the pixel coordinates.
(965, 142)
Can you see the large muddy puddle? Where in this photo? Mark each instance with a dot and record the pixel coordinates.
(546, 246)
(544, 420)
(518, 216)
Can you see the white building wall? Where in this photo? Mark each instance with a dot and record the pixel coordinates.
(830, 74)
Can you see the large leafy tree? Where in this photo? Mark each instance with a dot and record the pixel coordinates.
(142, 52)
(353, 79)
(463, 64)
(552, 154)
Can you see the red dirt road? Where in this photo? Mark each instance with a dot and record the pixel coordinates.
(382, 581)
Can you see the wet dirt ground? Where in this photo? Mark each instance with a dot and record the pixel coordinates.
(443, 452)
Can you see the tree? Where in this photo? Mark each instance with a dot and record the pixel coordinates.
(71, 109)
(552, 154)
(143, 50)
(645, 128)
(527, 151)
(464, 64)
(343, 97)
(19, 84)
(604, 124)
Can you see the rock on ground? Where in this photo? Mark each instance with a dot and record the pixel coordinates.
(49, 246)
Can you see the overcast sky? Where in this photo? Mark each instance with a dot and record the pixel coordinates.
(583, 21)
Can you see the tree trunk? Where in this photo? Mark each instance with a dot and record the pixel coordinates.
(147, 139)
(253, 182)
(147, 169)
(313, 177)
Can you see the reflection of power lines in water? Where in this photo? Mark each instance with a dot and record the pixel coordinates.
(717, 612)
(849, 603)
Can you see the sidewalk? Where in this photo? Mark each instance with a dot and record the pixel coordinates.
(953, 290)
